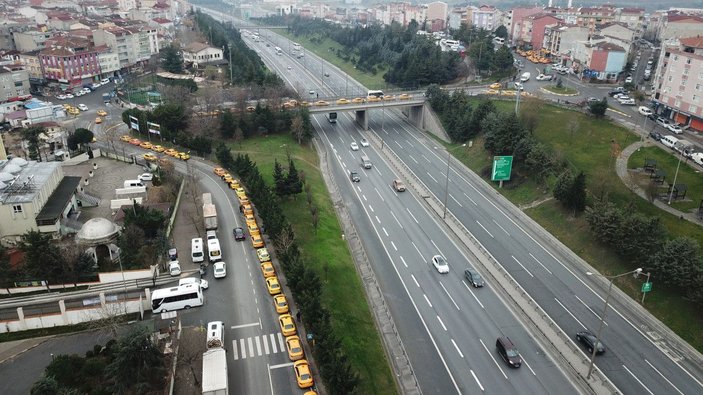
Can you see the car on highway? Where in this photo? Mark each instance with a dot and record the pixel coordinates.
(326, 73)
(321, 103)
(354, 176)
(495, 85)
(675, 128)
(589, 340)
(150, 157)
(343, 101)
(295, 349)
(219, 269)
(364, 142)
(146, 177)
(508, 351)
(268, 270)
(263, 255)
(289, 68)
(440, 263)
(302, 374)
(285, 321)
(82, 107)
(311, 92)
(102, 113)
(357, 100)
(280, 303)
(644, 110)
(238, 233)
(354, 146)
(398, 185)
(544, 77)
(473, 277)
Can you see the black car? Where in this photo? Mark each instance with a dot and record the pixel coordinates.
(508, 352)
(473, 277)
(656, 136)
(588, 339)
(238, 234)
(616, 91)
(172, 254)
(354, 176)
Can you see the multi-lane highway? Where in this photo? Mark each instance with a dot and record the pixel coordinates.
(401, 236)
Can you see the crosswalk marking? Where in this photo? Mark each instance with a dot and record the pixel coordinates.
(265, 345)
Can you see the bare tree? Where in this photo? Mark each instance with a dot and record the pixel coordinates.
(284, 240)
(191, 347)
(108, 319)
(239, 136)
(297, 128)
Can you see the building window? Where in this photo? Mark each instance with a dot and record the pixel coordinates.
(695, 98)
(17, 208)
(676, 57)
(677, 103)
(692, 108)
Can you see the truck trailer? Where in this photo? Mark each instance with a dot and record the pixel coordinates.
(215, 372)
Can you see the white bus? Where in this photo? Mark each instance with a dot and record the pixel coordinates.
(176, 298)
(296, 47)
(196, 250)
(377, 94)
(278, 50)
(213, 250)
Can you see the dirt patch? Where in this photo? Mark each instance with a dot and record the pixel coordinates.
(189, 369)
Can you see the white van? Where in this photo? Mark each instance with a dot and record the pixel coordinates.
(669, 141)
(365, 162)
(133, 183)
(210, 235)
(698, 157)
(215, 334)
(174, 269)
(213, 250)
(196, 250)
(525, 77)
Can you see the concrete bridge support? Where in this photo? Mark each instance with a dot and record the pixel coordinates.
(362, 119)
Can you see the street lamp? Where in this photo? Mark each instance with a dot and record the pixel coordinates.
(446, 186)
(605, 311)
(676, 175)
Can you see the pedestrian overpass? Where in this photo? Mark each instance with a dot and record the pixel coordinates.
(414, 107)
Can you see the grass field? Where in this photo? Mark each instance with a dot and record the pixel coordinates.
(328, 254)
(590, 148)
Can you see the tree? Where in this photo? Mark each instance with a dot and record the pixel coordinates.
(171, 60)
(293, 183)
(503, 59)
(147, 219)
(138, 365)
(31, 136)
(479, 114)
(279, 179)
(678, 262)
(604, 219)
(598, 108)
(563, 185)
(79, 137)
(131, 241)
(46, 385)
(297, 128)
(43, 259)
(540, 163)
(530, 114)
(501, 32)
(577, 194)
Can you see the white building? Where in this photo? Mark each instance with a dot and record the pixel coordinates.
(200, 54)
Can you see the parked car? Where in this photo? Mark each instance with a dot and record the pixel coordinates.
(544, 77)
(616, 91)
(663, 122)
(146, 177)
(656, 136)
(627, 101)
(589, 340)
(675, 128)
(644, 110)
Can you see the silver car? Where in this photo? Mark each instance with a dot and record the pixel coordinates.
(440, 263)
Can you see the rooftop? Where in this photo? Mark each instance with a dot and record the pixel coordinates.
(57, 201)
(693, 42)
(23, 182)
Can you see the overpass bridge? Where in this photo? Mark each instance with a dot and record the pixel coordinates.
(414, 107)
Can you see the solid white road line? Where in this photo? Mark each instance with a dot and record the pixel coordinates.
(484, 228)
(434, 179)
(273, 343)
(411, 214)
(571, 314)
(461, 354)
(450, 296)
(244, 325)
(396, 220)
(590, 309)
(638, 380)
(522, 266)
(664, 377)
(476, 378)
(493, 358)
(282, 365)
(472, 294)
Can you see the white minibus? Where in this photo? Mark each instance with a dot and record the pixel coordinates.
(176, 298)
(196, 250)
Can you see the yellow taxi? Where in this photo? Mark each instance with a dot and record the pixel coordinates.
(305, 104)
(252, 227)
(263, 255)
(219, 171)
(135, 141)
(388, 97)
(321, 103)
(343, 101)
(281, 304)
(183, 155)
(157, 148)
(249, 215)
(268, 270)
(272, 284)
(150, 157)
(287, 325)
(66, 106)
(492, 92)
(227, 178)
(98, 120)
(244, 200)
(171, 152)
(126, 138)
(234, 184)
(358, 100)
(74, 111)
(404, 96)
(257, 241)
(373, 98)
(146, 145)
(495, 85)
(302, 374)
(292, 103)
(295, 350)
(240, 192)
(251, 108)
(102, 113)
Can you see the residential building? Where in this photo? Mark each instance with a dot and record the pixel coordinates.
(30, 62)
(680, 25)
(483, 17)
(70, 66)
(515, 19)
(133, 44)
(604, 61)
(36, 197)
(456, 18)
(198, 54)
(437, 13)
(679, 83)
(618, 34)
(633, 18)
(8, 31)
(14, 83)
(591, 17)
(31, 40)
(108, 61)
(532, 30)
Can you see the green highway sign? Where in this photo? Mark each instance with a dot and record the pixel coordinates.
(646, 287)
(502, 167)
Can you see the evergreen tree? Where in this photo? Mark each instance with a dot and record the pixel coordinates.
(171, 60)
(293, 183)
(279, 179)
(577, 194)
(138, 365)
(31, 136)
(598, 108)
(501, 32)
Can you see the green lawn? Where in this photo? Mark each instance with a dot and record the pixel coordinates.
(326, 50)
(590, 148)
(327, 253)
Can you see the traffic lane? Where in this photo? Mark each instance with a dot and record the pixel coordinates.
(419, 243)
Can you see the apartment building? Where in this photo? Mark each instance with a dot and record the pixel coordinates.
(681, 25)
(514, 20)
(69, 66)
(14, 83)
(31, 40)
(532, 30)
(198, 54)
(633, 18)
(604, 61)
(132, 44)
(30, 62)
(483, 17)
(679, 82)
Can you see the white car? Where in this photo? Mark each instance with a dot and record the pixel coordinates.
(518, 86)
(219, 269)
(354, 146)
(644, 110)
(543, 77)
(83, 107)
(174, 269)
(69, 96)
(289, 67)
(61, 97)
(440, 263)
(192, 280)
(628, 80)
(627, 102)
(146, 177)
(79, 93)
(364, 142)
(675, 128)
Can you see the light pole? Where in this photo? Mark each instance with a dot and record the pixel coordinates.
(446, 186)
(602, 316)
(676, 175)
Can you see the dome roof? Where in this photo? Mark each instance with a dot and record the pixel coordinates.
(97, 230)
(19, 162)
(5, 176)
(12, 168)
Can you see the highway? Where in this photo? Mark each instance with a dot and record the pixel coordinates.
(636, 360)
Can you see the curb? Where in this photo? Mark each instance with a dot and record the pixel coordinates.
(559, 94)
(13, 355)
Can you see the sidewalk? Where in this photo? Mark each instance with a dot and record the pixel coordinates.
(623, 173)
(9, 350)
